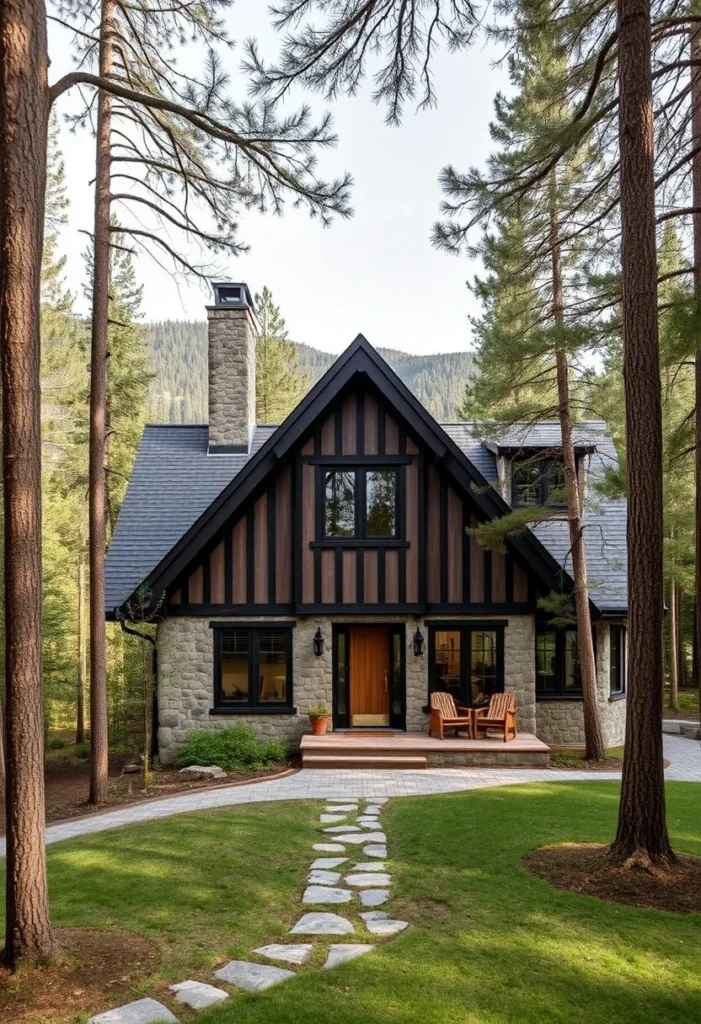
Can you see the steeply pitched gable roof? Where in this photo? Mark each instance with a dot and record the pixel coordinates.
(179, 495)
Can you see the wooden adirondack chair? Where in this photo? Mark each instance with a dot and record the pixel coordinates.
(501, 715)
(444, 715)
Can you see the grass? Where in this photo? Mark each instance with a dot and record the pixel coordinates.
(488, 942)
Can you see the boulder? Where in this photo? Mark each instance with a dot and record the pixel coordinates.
(195, 772)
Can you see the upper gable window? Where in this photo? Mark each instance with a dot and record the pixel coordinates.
(360, 503)
(538, 481)
(340, 503)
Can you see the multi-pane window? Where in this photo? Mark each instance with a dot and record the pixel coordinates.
(340, 503)
(360, 503)
(538, 481)
(252, 668)
(466, 662)
(617, 667)
(557, 667)
(380, 503)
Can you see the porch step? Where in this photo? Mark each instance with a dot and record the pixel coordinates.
(359, 760)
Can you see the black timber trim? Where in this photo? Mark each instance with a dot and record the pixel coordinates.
(229, 566)
(207, 577)
(362, 609)
(466, 566)
(359, 542)
(443, 538)
(360, 361)
(487, 576)
(358, 460)
(202, 610)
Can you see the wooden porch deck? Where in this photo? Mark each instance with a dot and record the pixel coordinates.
(414, 750)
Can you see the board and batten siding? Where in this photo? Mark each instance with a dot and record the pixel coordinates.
(274, 557)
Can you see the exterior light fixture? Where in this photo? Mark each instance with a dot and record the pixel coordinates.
(318, 643)
(418, 643)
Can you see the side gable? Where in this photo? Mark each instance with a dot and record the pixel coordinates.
(203, 561)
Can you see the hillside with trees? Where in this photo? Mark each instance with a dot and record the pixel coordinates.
(178, 393)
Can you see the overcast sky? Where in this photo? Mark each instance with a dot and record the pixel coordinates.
(377, 273)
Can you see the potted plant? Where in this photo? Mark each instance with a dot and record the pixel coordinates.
(319, 718)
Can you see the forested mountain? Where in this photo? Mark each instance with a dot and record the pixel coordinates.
(179, 359)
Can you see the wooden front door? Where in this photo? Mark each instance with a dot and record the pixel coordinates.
(369, 675)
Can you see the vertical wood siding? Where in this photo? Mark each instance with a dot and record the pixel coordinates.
(267, 559)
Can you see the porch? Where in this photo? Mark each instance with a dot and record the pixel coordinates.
(415, 750)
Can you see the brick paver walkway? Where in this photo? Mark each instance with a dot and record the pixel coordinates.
(684, 755)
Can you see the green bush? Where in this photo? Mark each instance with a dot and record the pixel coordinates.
(81, 750)
(238, 748)
(55, 743)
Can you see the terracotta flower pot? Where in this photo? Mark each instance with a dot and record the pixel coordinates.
(319, 726)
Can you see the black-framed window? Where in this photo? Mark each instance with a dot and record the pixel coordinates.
(253, 668)
(538, 481)
(617, 661)
(558, 672)
(361, 502)
(466, 661)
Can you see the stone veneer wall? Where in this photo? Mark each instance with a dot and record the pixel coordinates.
(232, 375)
(562, 722)
(186, 676)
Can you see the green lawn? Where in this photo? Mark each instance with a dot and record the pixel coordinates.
(488, 943)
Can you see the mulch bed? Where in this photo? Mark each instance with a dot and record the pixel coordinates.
(67, 781)
(92, 971)
(587, 868)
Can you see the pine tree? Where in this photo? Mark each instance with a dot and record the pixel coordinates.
(280, 384)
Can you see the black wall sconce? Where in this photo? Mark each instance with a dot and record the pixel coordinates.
(318, 643)
(418, 643)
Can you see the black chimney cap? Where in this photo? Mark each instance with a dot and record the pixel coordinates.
(228, 294)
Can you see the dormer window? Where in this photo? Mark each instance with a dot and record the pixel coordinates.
(360, 503)
(538, 481)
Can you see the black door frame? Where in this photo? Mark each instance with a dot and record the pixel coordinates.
(397, 674)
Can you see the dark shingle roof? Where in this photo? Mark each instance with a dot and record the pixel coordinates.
(174, 481)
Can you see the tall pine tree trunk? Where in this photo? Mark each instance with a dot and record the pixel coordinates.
(98, 402)
(23, 144)
(695, 54)
(593, 739)
(673, 651)
(641, 837)
(82, 655)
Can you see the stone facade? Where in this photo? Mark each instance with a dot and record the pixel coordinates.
(186, 676)
(561, 722)
(232, 376)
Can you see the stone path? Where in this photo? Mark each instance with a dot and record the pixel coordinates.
(315, 784)
(357, 884)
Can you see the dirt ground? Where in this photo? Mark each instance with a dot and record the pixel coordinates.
(67, 779)
(90, 966)
(586, 868)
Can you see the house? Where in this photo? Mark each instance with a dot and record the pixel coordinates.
(330, 559)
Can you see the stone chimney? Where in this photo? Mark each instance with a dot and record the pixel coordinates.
(232, 332)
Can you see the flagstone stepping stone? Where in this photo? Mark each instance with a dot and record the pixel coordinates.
(322, 924)
(372, 809)
(380, 800)
(369, 866)
(364, 837)
(327, 818)
(328, 862)
(323, 877)
(252, 977)
(326, 894)
(369, 822)
(335, 808)
(343, 828)
(374, 897)
(363, 880)
(197, 995)
(329, 848)
(379, 923)
(141, 1011)
(289, 952)
(375, 850)
(342, 952)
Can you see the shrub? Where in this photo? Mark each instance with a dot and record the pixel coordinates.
(319, 711)
(56, 743)
(81, 750)
(238, 748)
